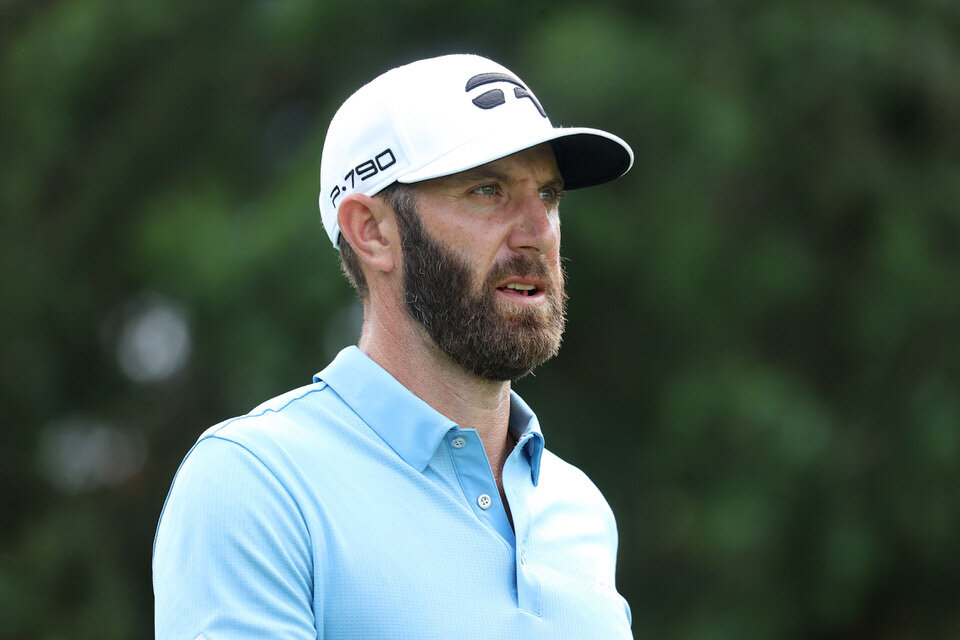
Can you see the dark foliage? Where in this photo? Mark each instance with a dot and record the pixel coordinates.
(762, 365)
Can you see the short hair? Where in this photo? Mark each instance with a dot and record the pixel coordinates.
(402, 198)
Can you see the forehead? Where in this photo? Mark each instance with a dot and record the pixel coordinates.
(537, 163)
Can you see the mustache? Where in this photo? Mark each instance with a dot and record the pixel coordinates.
(520, 265)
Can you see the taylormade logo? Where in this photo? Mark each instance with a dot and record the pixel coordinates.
(495, 97)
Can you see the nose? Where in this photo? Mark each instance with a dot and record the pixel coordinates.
(536, 229)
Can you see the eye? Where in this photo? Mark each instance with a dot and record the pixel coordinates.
(486, 190)
(551, 195)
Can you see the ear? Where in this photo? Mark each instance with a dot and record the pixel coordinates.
(368, 224)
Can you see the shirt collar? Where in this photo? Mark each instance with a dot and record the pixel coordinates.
(524, 424)
(409, 426)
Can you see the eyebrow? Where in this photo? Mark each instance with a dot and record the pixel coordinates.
(481, 173)
(556, 183)
(487, 173)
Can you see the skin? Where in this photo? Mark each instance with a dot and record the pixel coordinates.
(506, 207)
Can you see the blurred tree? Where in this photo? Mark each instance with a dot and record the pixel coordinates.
(761, 369)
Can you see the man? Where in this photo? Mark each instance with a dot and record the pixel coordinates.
(407, 493)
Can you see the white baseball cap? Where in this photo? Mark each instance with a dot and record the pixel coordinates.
(440, 116)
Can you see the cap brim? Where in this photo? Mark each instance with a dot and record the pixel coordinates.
(586, 157)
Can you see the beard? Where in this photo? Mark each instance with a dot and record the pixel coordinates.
(471, 326)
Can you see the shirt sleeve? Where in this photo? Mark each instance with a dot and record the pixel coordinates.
(232, 556)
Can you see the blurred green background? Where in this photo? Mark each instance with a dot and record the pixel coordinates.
(762, 369)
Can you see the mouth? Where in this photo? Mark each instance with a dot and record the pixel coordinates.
(524, 291)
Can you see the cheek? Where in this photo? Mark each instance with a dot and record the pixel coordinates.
(469, 237)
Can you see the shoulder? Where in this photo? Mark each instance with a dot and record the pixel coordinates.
(556, 470)
(284, 406)
(278, 443)
(251, 465)
(574, 520)
(306, 437)
(562, 480)
(243, 450)
(312, 417)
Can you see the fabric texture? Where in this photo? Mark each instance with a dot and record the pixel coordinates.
(350, 509)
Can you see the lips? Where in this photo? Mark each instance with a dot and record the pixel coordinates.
(522, 289)
(522, 279)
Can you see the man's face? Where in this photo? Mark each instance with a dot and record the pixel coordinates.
(485, 282)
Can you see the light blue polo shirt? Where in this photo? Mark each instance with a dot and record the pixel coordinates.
(350, 509)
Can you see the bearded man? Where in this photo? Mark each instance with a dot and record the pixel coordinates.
(407, 492)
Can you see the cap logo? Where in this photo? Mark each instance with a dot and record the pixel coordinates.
(494, 97)
(366, 169)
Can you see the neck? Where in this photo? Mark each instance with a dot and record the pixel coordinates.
(402, 347)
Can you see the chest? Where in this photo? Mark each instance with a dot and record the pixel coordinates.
(401, 553)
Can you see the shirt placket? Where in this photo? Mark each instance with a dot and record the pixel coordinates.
(480, 490)
(476, 479)
(518, 486)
